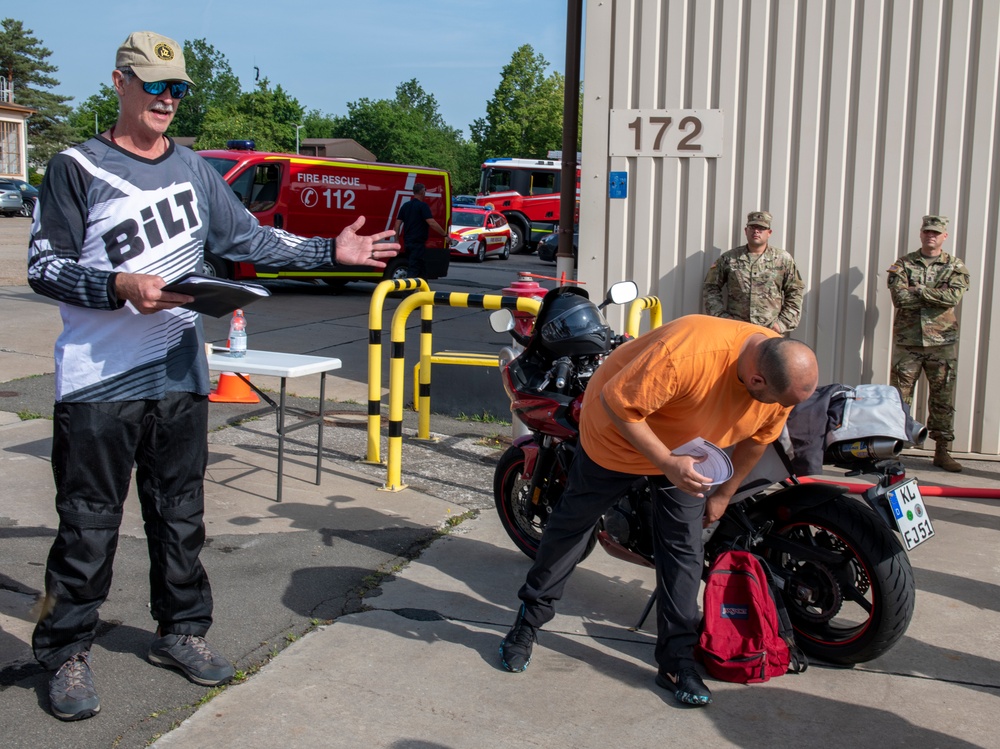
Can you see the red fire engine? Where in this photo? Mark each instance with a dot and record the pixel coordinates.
(527, 192)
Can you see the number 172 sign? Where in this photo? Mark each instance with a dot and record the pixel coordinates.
(677, 133)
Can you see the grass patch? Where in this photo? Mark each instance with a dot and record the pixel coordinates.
(492, 440)
(375, 579)
(26, 415)
(483, 418)
(456, 520)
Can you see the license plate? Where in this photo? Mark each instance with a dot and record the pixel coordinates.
(910, 513)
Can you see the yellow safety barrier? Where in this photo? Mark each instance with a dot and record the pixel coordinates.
(383, 289)
(635, 312)
(397, 373)
(450, 357)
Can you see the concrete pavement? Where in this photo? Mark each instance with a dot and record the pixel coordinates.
(419, 669)
(416, 664)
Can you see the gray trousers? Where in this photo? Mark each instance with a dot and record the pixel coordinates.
(678, 553)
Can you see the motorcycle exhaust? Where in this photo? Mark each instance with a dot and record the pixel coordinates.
(917, 433)
(872, 448)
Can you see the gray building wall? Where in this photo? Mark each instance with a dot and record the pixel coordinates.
(847, 120)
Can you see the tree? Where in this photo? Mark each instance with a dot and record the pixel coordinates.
(408, 129)
(94, 115)
(318, 125)
(525, 116)
(216, 86)
(268, 117)
(24, 67)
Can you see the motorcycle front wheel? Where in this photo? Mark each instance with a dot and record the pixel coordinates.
(521, 519)
(856, 602)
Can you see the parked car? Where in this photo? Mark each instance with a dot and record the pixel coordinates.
(29, 195)
(476, 233)
(463, 199)
(549, 246)
(11, 202)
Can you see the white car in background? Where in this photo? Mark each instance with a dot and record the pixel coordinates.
(477, 233)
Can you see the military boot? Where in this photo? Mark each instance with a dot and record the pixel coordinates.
(943, 460)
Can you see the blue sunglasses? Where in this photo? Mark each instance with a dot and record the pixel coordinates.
(178, 89)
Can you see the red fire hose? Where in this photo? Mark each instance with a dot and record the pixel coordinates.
(927, 491)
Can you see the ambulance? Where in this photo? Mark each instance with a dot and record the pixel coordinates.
(315, 196)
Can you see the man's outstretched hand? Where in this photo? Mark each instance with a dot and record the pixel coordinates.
(353, 249)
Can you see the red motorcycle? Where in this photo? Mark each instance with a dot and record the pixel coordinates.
(844, 575)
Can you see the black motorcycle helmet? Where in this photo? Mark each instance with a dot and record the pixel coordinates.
(572, 325)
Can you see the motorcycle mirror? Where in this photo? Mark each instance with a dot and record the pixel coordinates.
(621, 293)
(502, 321)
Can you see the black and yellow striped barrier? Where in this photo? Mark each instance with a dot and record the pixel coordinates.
(635, 312)
(382, 290)
(465, 358)
(426, 300)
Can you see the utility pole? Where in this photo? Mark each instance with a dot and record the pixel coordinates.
(297, 128)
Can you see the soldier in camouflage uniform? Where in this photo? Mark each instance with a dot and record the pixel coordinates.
(925, 287)
(762, 284)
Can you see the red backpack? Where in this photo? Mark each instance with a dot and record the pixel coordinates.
(746, 635)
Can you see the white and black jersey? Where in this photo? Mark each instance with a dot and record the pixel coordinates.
(103, 210)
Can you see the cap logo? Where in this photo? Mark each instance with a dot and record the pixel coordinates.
(164, 52)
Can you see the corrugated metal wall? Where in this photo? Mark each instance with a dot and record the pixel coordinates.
(848, 121)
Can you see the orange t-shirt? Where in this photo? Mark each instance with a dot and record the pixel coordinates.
(681, 378)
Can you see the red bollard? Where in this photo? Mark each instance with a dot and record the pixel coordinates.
(526, 287)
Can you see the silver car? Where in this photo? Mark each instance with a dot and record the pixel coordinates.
(11, 201)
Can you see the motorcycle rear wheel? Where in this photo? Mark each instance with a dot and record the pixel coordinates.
(855, 609)
(522, 522)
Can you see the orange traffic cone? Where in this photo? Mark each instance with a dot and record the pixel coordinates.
(232, 389)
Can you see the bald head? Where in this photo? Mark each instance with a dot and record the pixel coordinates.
(784, 371)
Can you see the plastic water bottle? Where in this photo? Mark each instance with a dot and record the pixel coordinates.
(238, 335)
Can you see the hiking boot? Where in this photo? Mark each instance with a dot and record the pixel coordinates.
(515, 650)
(943, 460)
(686, 685)
(192, 655)
(72, 695)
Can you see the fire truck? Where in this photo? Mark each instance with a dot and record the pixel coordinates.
(527, 192)
(318, 197)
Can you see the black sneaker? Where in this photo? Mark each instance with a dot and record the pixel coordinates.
(515, 650)
(686, 685)
(72, 695)
(192, 655)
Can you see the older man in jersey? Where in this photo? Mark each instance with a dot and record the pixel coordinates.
(730, 382)
(118, 218)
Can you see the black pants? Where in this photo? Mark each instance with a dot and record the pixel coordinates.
(416, 260)
(677, 549)
(94, 447)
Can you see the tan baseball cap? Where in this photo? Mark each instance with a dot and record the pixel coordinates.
(152, 57)
(759, 218)
(934, 223)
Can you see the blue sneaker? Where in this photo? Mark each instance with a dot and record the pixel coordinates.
(515, 649)
(72, 695)
(192, 655)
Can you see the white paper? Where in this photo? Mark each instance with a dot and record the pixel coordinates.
(717, 465)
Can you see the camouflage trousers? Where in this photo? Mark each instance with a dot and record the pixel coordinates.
(940, 364)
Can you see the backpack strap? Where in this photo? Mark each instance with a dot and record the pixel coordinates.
(799, 662)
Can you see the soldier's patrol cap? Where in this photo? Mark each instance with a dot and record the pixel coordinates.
(759, 218)
(934, 223)
(152, 57)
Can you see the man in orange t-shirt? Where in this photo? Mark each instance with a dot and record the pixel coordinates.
(730, 382)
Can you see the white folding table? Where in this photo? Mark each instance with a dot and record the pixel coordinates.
(277, 364)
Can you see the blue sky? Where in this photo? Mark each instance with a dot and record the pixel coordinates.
(325, 53)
